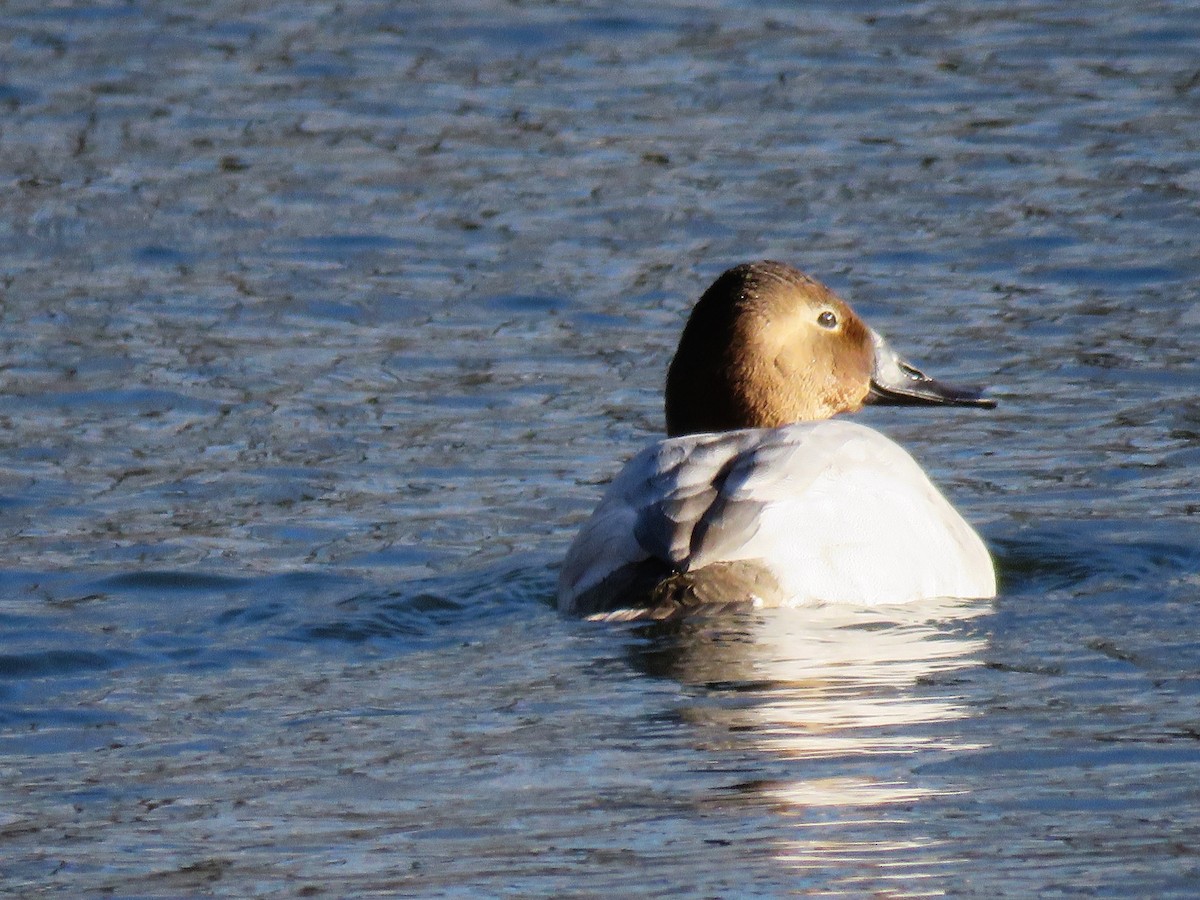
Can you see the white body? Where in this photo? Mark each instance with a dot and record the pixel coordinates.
(834, 511)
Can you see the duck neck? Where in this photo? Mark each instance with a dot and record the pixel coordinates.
(709, 394)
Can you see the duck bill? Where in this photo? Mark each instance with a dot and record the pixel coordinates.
(896, 383)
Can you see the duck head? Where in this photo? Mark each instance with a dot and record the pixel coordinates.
(767, 346)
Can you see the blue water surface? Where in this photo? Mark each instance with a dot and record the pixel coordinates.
(323, 325)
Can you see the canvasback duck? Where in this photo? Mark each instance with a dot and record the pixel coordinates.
(757, 496)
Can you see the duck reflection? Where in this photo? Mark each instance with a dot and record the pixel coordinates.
(834, 711)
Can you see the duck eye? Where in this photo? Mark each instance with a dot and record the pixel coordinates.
(827, 320)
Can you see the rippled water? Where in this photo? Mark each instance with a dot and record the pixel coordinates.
(324, 323)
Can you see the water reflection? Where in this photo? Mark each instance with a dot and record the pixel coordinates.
(847, 704)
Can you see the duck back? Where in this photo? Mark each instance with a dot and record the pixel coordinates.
(814, 512)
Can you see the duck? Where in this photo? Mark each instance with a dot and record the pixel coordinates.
(761, 495)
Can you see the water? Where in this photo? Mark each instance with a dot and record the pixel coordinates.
(324, 323)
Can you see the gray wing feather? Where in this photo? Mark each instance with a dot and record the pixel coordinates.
(647, 520)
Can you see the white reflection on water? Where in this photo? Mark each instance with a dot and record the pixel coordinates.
(849, 703)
